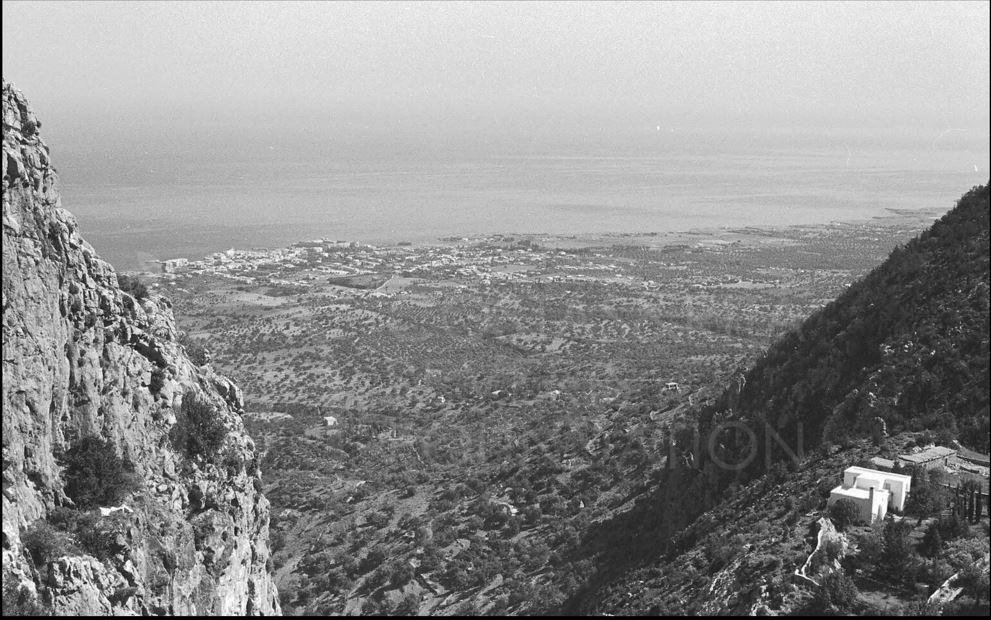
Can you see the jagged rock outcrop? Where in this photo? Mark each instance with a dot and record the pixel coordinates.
(83, 359)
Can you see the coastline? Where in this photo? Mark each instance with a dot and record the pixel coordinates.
(903, 219)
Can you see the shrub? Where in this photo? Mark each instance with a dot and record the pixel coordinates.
(966, 552)
(199, 429)
(974, 579)
(409, 606)
(372, 560)
(197, 353)
(45, 543)
(157, 381)
(133, 286)
(95, 535)
(20, 602)
(119, 597)
(400, 573)
(233, 461)
(871, 545)
(378, 578)
(100, 536)
(370, 608)
(843, 514)
(531, 515)
(96, 476)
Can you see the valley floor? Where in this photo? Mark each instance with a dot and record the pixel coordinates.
(443, 425)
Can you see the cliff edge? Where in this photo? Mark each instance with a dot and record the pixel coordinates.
(129, 483)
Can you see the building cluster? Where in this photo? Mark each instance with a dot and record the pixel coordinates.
(876, 491)
(486, 261)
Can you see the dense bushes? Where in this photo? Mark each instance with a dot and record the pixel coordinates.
(96, 476)
(93, 534)
(44, 542)
(66, 531)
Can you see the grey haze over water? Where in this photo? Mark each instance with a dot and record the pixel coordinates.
(181, 128)
(191, 193)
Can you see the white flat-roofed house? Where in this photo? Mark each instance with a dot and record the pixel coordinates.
(899, 485)
(873, 491)
(872, 503)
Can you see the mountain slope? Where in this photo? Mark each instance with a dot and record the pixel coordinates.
(906, 345)
(101, 406)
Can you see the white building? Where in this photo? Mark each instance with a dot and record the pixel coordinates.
(169, 266)
(873, 491)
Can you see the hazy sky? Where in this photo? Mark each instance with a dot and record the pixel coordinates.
(887, 61)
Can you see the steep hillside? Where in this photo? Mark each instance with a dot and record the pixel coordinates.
(102, 407)
(907, 344)
(904, 349)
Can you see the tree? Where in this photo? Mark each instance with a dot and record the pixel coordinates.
(927, 498)
(897, 543)
(836, 591)
(953, 526)
(96, 476)
(932, 541)
(844, 513)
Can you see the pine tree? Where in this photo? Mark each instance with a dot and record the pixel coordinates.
(932, 542)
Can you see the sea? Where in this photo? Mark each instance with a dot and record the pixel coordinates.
(143, 194)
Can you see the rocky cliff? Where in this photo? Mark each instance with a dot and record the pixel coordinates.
(94, 380)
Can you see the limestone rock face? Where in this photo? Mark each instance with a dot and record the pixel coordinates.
(82, 358)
